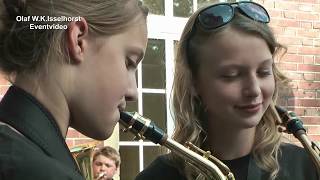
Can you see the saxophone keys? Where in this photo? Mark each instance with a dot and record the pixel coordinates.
(126, 129)
(207, 154)
(138, 137)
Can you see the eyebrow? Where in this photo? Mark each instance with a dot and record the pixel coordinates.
(270, 60)
(267, 60)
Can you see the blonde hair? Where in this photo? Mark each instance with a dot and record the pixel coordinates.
(187, 108)
(24, 50)
(108, 152)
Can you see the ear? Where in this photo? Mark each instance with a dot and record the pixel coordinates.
(77, 35)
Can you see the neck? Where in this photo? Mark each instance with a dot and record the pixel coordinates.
(49, 95)
(229, 143)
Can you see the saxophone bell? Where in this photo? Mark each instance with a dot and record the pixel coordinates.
(83, 155)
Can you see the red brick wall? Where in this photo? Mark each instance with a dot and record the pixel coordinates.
(74, 138)
(297, 26)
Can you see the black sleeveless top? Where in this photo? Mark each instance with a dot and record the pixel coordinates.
(239, 167)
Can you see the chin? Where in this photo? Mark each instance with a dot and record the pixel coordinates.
(251, 125)
(105, 130)
(99, 133)
(252, 122)
(103, 135)
(100, 137)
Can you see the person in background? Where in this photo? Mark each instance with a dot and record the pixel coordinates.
(106, 162)
(71, 63)
(224, 94)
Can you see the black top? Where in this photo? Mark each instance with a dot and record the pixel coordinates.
(161, 169)
(295, 164)
(239, 167)
(40, 152)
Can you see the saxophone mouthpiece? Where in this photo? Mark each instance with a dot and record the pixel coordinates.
(142, 127)
(101, 175)
(291, 121)
(126, 116)
(281, 110)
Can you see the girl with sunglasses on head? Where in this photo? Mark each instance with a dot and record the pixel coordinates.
(225, 88)
(71, 63)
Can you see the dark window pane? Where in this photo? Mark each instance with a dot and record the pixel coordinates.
(129, 167)
(153, 65)
(182, 8)
(132, 106)
(137, 78)
(128, 136)
(154, 108)
(155, 6)
(202, 3)
(231, 1)
(151, 153)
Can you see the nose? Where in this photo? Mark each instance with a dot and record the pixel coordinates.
(103, 168)
(252, 87)
(132, 91)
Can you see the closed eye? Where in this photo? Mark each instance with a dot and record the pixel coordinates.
(231, 75)
(131, 64)
(265, 72)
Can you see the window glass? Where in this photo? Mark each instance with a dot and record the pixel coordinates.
(155, 6)
(202, 3)
(154, 66)
(154, 108)
(129, 167)
(182, 8)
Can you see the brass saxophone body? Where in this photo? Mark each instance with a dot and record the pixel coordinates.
(144, 128)
(83, 154)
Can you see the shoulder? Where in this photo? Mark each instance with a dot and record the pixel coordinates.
(291, 152)
(20, 159)
(296, 162)
(161, 168)
(15, 147)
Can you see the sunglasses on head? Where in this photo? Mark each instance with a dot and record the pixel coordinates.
(218, 15)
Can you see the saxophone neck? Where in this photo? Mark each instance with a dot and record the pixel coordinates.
(144, 128)
(291, 122)
(294, 125)
(207, 167)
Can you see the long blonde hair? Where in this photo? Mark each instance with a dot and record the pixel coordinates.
(187, 108)
(24, 50)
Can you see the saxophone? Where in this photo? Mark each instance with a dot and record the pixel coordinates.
(211, 167)
(208, 165)
(294, 126)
